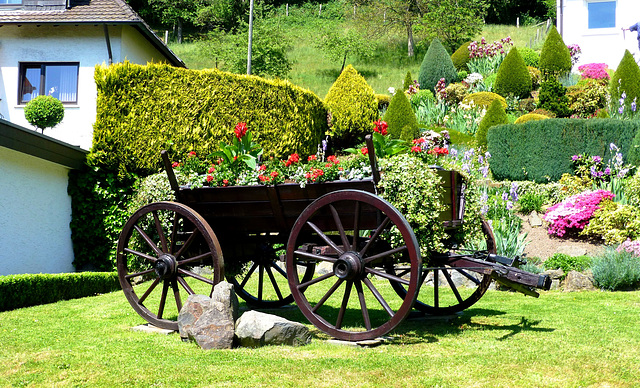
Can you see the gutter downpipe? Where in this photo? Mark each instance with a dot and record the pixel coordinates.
(560, 16)
(108, 41)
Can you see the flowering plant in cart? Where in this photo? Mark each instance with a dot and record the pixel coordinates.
(242, 150)
(383, 144)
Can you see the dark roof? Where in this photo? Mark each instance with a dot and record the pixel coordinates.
(84, 12)
(30, 142)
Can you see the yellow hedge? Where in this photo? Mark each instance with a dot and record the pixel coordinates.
(530, 117)
(484, 99)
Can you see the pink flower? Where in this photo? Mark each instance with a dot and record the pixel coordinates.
(575, 211)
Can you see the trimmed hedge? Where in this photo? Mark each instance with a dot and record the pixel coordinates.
(17, 291)
(144, 109)
(541, 150)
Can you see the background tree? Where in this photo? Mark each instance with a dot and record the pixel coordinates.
(507, 11)
(339, 43)
(221, 14)
(452, 21)
(176, 12)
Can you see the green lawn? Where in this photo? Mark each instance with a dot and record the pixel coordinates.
(505, 340)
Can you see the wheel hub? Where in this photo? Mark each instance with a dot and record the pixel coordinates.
(348, 266)
(166, 266)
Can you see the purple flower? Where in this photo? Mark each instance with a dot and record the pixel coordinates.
(484, 170)
(612, 147)
(596, 159)
(324, 146)
(505, 196)
(607, 171)
(623, 172)
(621, 110)
(480, 159)
(594, 173)
(487, 155)
(633, 105)
(509, 205)
(577, 157)
(514, 191)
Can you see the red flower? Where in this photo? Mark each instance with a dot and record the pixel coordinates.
(262, 167)
(364, 150)
(333, 159)
(328, 165)
(419, 141)
(263, 178)
(225, 182)
(211, 169)
(191, 154)
(380, 127)
(439, 151)
(240, 130)
(175, 164)
(274, 174)
(312, 157)
(416, 148)
(293, 158)
(209, 178)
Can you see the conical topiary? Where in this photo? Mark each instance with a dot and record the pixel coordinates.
(353, 107)
(460, 57)
(513, 76)
(436, 64)
(408, 81)
(495, 115)
(553, 97)
(400, 115)
(626, 79)
(555, 57)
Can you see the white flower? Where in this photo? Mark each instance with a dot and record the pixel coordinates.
(392, 90)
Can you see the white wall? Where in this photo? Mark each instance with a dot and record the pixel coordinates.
(603, 45)
(35, 212)
(85, 44)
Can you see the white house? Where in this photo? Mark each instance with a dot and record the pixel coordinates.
(52, 47)
(35, 209)
(596, 26)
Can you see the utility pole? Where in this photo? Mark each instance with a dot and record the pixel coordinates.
(250, 37)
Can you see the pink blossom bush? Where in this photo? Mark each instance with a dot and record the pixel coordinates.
(596, 71)
(630, 246)
(575, 211)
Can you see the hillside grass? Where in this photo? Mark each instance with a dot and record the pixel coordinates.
(505, 340)
(386, 68)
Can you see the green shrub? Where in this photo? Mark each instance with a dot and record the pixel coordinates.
(545, 112)
(530, 117)
(613, 223)
(553, 97)
(408, 81)
(555, 57)
(541, 150)
(144, 109)
(626, 80)
(484, 99)
(462, 74)
(456, 93)
(436, 64)
(490, 80)
(44, 112)
(460, 57)
(536, 77)
(613, 270)
(529, 202)
(590, 97)
(527, 105)
(567, 263)
(383, 101)
(495, 115)
(422, 96)
(17, 291)
(400, 115)
(513, 76)
(530, 57)
(353, 107)
(632, 190)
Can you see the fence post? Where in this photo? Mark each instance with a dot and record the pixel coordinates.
(320, 10)
(287, 9)
(518, 22)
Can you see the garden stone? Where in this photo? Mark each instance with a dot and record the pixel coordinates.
(534, 219)
(324, 268)
(255, 329)
(555, 275)
(576, 281)
(210, 321)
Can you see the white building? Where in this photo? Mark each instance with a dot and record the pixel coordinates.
(52, 47)
(596, 26)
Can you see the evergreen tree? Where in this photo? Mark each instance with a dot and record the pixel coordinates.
(436, 64)
(555, 57)
(400, 118)
(553, 97)
(495, 115)
(513, 76)
(408, 81)
(626, 79)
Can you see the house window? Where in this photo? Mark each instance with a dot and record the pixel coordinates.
(59, 80)
(3, 2)
(602, 14)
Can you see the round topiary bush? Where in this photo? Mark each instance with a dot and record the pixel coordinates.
(495, 115)
(484, 99)
(530, 56)
(400, 118)
(353, 106)
(436, 64)
(626, 80)
(456, 93)
(513, 76)
(530, 117)
(44, 112)
(460, 57)
(555, 57)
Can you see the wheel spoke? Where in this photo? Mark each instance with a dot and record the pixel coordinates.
(356, 226)
(326, 276)
(384, 254)
(375, 236)
(468, 276)
(174, 232)
(194, 258)
(280, 270)
(163, 298)
(260, 281)
(133, 275)
(363, 305)
(452, 285)
(378, 296)
(184, 285)
(325, 238)
(195, 276)
(249, 273)
(163, 238)
(340, 227)
(148, 240)
(148, 292)
(309, 255)
(327, 295)
(273, 282)
(436, 288)
(187, 243)
(343, 306)
(386, 276)
(140, 254)
(176, 294)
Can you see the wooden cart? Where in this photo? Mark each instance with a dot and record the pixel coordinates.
(352, 262)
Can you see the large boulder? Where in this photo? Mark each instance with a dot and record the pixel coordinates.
(255, 329)
(576, 281)
(210, 321)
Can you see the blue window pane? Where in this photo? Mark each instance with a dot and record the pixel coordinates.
(10, 1)
(30, 84)
(602, 14)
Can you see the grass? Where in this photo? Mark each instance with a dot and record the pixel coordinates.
(386, 68)
(505, 340)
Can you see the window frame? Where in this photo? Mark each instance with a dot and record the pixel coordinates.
(615, 15)
(11, 4)
(24, 66)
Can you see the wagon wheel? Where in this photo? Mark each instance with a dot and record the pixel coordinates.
(442, 292)
(265, 284)
(166, 246)
(349, 301)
